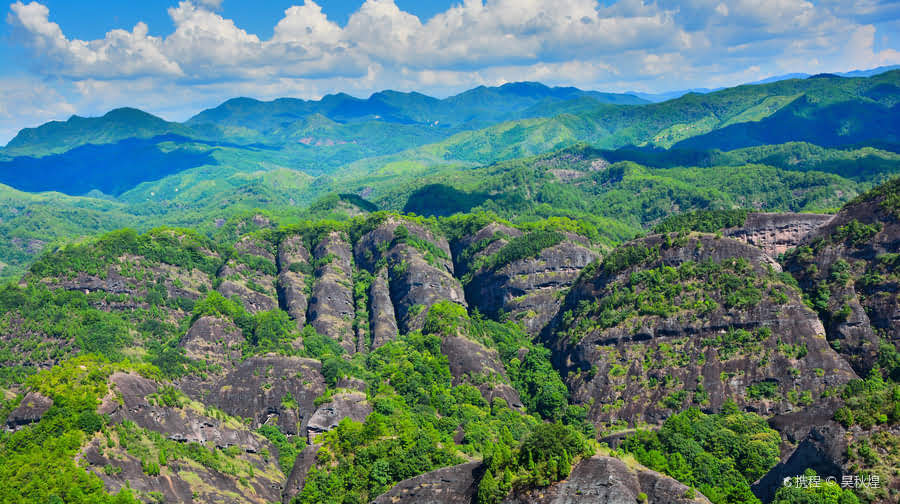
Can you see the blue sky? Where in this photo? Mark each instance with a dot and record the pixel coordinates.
(176, 57)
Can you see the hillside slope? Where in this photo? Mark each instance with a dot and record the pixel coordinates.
(237, 357)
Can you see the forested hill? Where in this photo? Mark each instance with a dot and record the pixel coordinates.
(519, 150)
(514, 295)
(394, 358)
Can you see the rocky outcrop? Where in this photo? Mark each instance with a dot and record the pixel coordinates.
(331, 308)
(596, 480)
(483, 243)
(32, 408)
(776, 233)
(352, 405)
(849, 268)
(528, 290)
(250, 276)
(293, 267)
(607, 480)
(180, 481)
(420, 272)
(648, 339)
(822, 449)
(252, 300)
(450, 485)
(297, 479)
(215, 341)
(269, 389)
(475, 364)
(112, 282)
(141, 282)
(183, 424)
(383, 321)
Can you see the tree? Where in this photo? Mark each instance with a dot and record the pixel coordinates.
(488, 490)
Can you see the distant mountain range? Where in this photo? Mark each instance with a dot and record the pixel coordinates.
(670, 95)
(287, 120)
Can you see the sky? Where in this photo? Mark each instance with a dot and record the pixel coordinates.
(174, 58)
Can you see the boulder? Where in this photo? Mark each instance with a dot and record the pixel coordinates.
(473, 363)
(343, 405)
(32, 408)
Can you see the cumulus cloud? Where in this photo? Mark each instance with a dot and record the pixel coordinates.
(470, 36)
(628, 44)
(120, 54)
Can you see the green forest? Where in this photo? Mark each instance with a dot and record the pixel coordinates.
(690, 301)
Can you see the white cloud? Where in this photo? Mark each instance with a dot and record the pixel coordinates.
(29, 102)
(859, 50)
(629, 44)
(120, 54)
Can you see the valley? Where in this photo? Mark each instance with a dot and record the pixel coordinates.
(514, 294)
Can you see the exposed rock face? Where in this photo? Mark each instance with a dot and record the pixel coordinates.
(250, 277)
(351, 405)
(596, 480)
(142, 282)
(180, 480)
(179, 424)
(30, 410)
(113, 283)
(638, 363)
(822, 450)
(253, 301)
(607, 480)
(486, 241)
(268, 389)
(473, 363)
(529, 290)
(331, 308)
(420, 272)
(214, 340)
(450, 485)
(297, 479)
(256, 247)
(383, 321)
(849, 267)
(293, 260)
(775, 233)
